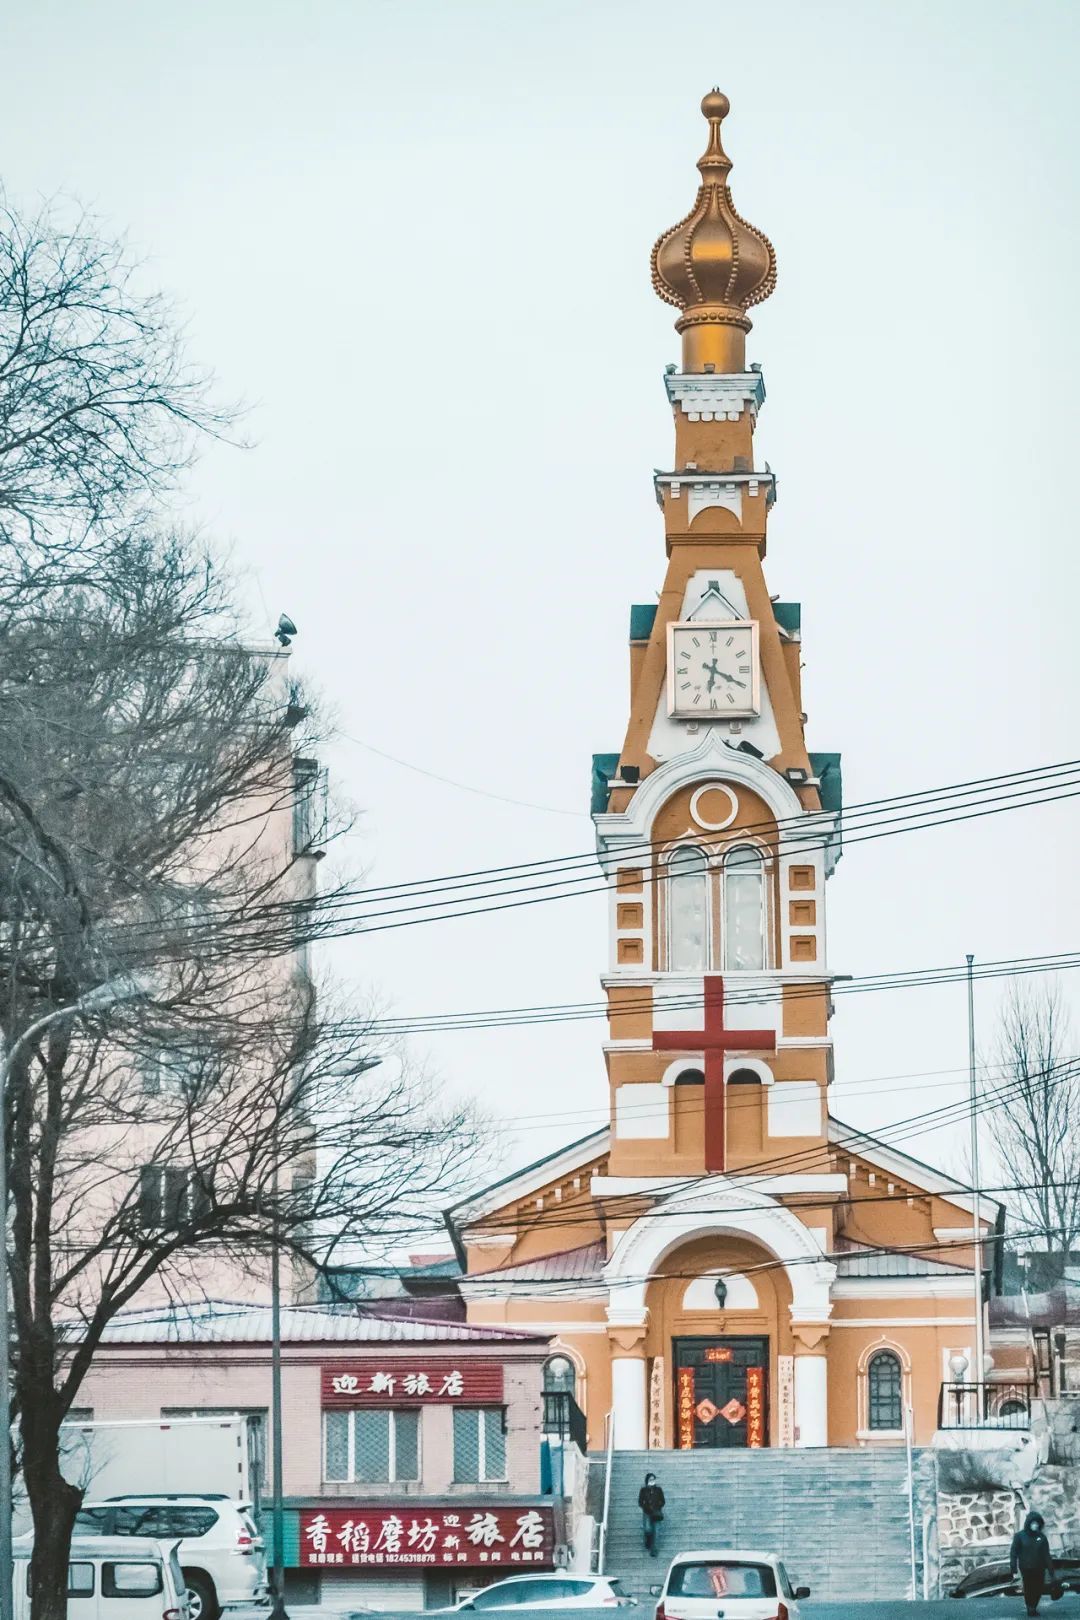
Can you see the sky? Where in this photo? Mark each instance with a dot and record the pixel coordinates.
(414, 238)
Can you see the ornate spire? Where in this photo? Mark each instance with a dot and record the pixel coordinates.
(713, 265)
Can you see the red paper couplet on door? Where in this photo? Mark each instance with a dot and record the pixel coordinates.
(755, 1406)
(685, 1413)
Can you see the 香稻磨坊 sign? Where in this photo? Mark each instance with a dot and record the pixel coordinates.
(349, 1537)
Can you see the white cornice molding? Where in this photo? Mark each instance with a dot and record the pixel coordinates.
(707, 489)
(774, 1186)
(902, 1287)
(903, 1167)
(529, 1180)
(715, 396)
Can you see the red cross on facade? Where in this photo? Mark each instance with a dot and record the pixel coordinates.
(713, 1042)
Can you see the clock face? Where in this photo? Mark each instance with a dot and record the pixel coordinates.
(713, 670)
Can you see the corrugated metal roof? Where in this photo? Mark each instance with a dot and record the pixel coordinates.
(873, 1264)
(567, 1265)
(218, 1322)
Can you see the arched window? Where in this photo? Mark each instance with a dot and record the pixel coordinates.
(744, 908)
(687, 911)
(744, 1112)
(885, 1386)
(560, 1377)
(689, 1110)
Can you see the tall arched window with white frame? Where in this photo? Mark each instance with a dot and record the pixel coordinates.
(744, 908)
(687, 911)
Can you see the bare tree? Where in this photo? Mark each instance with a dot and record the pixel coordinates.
(1034, 1088)
(158, 819)
(151, 835)
(100, 410)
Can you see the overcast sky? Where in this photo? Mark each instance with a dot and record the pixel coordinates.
(415, 235)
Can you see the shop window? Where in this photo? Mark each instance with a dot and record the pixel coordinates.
(479, 1444)
(885, 1384)
(371, 1448)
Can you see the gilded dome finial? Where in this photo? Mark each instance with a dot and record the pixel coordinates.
(714, 265)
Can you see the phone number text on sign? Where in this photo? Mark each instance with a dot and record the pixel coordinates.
(344, 1537)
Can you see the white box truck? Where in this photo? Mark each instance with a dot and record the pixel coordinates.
(197, 1456)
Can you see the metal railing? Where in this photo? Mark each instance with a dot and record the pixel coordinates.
(986, 1405)
(564, 1417)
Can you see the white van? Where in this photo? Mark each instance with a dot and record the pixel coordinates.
(112, 1578)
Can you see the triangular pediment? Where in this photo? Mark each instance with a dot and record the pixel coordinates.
(715, 605)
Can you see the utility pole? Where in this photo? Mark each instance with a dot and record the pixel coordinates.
(278, 1612)
(973, 1087)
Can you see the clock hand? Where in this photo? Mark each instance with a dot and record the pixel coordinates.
(714, 671)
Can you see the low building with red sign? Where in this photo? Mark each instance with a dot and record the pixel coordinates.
(412, 1449)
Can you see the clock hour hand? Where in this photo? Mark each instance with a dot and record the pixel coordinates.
(713, 671)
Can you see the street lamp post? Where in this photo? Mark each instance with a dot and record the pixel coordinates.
(128, 987)
(976, 1213)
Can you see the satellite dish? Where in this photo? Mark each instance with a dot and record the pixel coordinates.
(285, 630)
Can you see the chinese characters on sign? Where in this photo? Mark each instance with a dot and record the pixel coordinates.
(755, 1407)
(344, 1537)
(719, 1352)
(405, 1383)
(785, 1394)
(685, 1412)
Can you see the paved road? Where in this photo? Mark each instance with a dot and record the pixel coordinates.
(948, 1609)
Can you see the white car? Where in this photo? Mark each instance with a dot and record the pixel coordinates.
(220, 1549)
(728, 1585)
(129, 1575)
(557, 1589)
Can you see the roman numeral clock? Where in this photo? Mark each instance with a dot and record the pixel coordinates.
(713, 670)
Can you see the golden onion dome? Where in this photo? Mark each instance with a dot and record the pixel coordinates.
(714, 265)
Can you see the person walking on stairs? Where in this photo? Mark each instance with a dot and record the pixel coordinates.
(651, 1502)
(1029, 1557)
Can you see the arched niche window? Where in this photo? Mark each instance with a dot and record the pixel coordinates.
(689, 1110)
(744, 1111)
(744, 908)
(885, 1391)
(687, 911)
(560, 1376)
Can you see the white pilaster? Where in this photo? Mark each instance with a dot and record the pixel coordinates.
(812, 1400)
(629, 1403)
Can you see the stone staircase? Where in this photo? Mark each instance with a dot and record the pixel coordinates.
(837, 1518)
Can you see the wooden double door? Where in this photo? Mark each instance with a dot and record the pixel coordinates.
(721, 1392)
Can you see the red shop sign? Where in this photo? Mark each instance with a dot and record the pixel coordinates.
(387, 1381)
(506, 1537)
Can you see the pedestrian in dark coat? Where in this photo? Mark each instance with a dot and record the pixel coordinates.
(651, 1502)
(1029, 1557)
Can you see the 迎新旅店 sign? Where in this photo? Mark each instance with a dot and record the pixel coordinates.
(385, 1381)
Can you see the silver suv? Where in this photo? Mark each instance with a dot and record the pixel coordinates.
(221, 1551)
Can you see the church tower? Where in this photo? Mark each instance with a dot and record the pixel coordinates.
(716, 827)
(721, 1264)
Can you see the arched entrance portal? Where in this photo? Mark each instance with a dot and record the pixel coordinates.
(718, 1326)
(754, 1360)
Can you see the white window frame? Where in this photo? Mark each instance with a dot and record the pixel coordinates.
(479, 1412)
(766, 905)
(393, 1413)
(709, 876)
